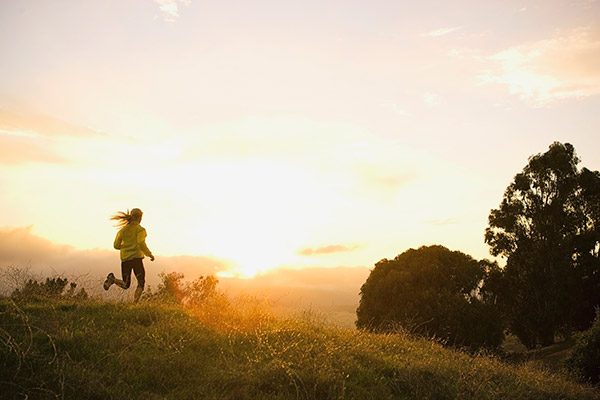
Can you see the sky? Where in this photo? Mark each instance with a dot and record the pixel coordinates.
(264, 136)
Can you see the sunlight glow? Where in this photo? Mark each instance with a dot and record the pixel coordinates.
(247, 134)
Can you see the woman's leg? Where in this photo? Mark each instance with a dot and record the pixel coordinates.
(126, 267)
(140, 275)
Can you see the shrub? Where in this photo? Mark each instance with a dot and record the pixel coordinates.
(585, 358)
(206, 303)
(172, 289)
(51, 288)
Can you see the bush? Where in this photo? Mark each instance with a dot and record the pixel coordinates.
(172, 289)
(51, 288)
(431, 291)
(584, 361)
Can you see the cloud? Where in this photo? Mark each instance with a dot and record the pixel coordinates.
(383, 179)
(334, 248)
(327, 279)
(32, 138)
(564, 67)
(441, 32)
(339, 156)
(16, 150)
(432, 99)
(170, 8)
(396, 109)
(27, 125)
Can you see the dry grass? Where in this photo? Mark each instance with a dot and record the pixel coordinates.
(237, 349)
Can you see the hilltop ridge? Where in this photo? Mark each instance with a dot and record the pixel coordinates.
(99, 350)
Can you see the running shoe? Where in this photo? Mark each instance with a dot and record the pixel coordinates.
(110, 279)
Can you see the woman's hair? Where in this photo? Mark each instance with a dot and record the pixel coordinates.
(135, 215)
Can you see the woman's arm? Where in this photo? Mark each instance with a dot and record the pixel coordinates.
(141, 239)
(117, 243)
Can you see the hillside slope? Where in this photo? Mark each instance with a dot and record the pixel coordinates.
(94, 350)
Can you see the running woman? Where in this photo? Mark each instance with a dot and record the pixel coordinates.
(131, 241)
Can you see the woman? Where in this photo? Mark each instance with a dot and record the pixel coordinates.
(131, 241)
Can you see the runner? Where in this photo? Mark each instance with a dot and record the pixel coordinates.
(131, 241)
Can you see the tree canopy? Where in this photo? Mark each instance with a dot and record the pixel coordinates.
(548, 229)
(431, 291)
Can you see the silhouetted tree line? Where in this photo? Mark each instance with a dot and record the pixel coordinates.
(547, 227)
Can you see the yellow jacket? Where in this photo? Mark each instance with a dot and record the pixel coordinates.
(131, 240)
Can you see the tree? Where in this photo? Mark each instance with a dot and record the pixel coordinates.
(586, 254)
(431, 291)
(547, 228)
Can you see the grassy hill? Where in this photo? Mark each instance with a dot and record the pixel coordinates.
(96, 350)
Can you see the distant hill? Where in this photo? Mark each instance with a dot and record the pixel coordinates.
(110, 350)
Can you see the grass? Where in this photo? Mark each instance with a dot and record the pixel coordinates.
(552, 357)
(97, 350)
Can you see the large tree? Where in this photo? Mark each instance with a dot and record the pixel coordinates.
(431, 291)
(547, 227)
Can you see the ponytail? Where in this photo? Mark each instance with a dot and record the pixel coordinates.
(122, 219)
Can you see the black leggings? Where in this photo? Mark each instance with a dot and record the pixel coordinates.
(138, 269)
